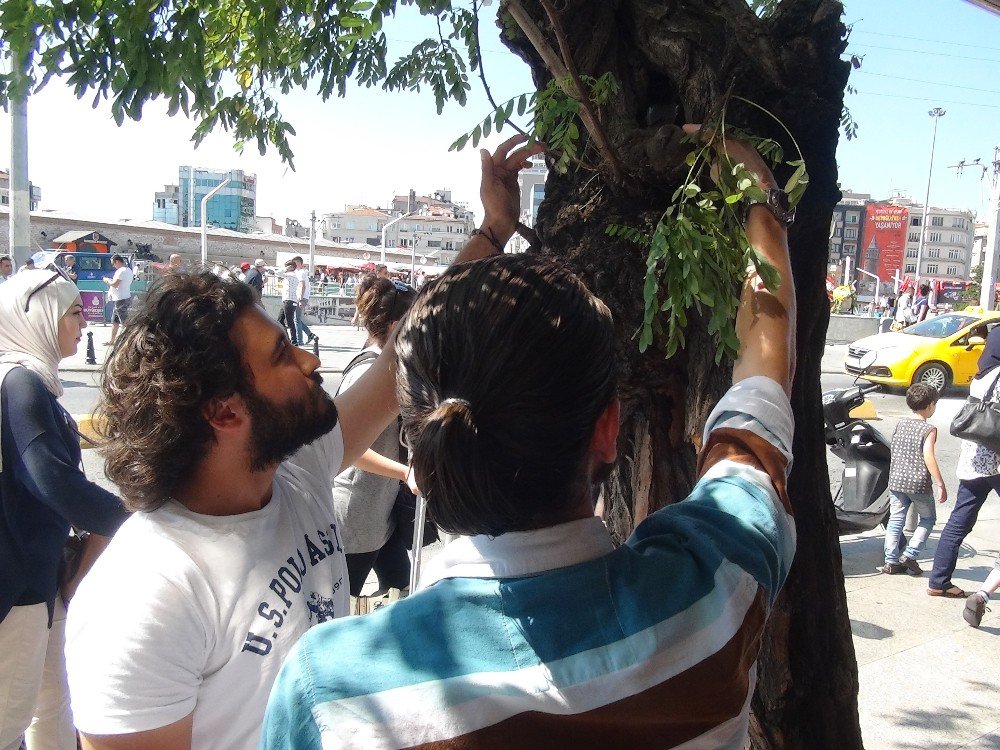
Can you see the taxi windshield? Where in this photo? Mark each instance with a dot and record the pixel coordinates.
(941, 326)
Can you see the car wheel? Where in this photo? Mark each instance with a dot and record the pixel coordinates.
(934, 374)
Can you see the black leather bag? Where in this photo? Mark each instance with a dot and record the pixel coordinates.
(979, 421)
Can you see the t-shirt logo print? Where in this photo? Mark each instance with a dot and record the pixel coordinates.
(320, 606)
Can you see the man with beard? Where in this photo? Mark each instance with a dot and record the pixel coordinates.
(225, 445)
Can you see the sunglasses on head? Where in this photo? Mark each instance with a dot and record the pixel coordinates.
(57, 273)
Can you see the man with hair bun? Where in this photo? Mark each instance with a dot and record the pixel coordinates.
(532, 629)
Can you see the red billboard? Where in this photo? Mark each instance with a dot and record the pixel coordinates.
(883, 245)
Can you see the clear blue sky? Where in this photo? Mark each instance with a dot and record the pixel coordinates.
(918, 54)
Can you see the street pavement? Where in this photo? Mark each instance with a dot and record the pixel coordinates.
(928, 681)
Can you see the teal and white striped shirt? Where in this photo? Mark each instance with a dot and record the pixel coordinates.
(555, 638)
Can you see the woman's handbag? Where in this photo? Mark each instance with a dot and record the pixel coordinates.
(979, 420)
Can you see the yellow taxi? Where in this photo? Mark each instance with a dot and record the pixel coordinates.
(939, 351)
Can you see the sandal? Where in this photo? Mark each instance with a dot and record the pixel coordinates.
(953, 592)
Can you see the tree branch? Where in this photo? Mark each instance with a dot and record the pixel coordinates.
(482, 70)
(566, 77)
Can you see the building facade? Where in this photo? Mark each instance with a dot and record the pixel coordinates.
(234, 207)
(846, 227)
(431, 228)
(355, 224)
(34, 192)
(166, 205)
(948, 241)
(531, 181)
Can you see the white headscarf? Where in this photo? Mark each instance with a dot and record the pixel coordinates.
(31, 339)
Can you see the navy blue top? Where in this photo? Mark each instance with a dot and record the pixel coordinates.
(42, 492)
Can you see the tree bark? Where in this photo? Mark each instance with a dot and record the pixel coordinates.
(681, 57)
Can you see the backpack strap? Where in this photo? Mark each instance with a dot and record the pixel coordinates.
(363, 358)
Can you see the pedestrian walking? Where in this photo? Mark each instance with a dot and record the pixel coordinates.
(120, 293)
(978, 473)
(914, 479)
(291, 297)
(255, 277)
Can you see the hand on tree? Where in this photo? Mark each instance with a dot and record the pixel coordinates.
(738, 152)
(499, 191)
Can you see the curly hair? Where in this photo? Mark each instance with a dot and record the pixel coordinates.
(174, 355)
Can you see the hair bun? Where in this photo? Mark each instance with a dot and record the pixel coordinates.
(452, 410)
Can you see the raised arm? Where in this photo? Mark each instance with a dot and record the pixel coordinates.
(501, 197)
(370, 404)
(765, 322)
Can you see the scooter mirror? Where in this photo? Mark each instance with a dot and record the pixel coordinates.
(867, 360)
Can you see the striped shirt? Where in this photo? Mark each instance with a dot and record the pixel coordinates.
(554, 638)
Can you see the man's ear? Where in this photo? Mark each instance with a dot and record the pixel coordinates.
(225, 414)
(604, 441)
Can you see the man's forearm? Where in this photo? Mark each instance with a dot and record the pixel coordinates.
(765, 323)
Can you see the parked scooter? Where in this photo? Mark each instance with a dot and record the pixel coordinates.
(862, 500)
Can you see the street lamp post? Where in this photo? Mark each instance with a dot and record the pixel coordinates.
(937, 113)
(204, 219)
(385, 230)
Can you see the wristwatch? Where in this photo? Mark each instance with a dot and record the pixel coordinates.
(776, 203)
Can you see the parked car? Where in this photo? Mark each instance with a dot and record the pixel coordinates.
(940, 351)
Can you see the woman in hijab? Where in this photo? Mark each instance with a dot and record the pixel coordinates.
(42, 492)
(978, 474)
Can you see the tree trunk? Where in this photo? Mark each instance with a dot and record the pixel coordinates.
(681, 57)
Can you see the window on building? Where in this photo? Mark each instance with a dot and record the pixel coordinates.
(910, 268)
(932, 267)
(960, 223)
(956, 239)
(934, 252)
(933, 236)
(433, 243)
(913, 237)
(914, 221)
(911, 253)
(937, 221)
(850, 248)
(837, 232)
(852, 218)
(953, 270)
(954, 255)
(851, 234)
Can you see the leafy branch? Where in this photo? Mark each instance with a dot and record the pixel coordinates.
(698, 252)
(564, 73)
(554, 117)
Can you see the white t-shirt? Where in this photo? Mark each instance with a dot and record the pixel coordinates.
(124, 289)
(304, 276)
(185, 612)
(291, 286)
